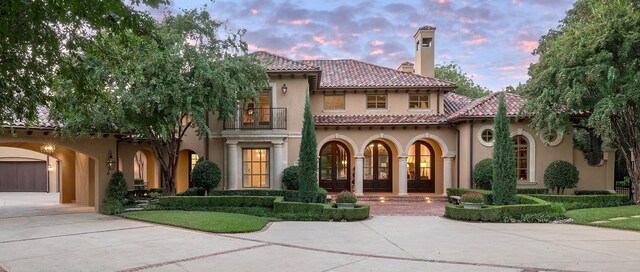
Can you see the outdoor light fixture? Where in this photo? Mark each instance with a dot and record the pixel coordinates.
(48, 148)
(111, 163)
(284, 88)
(50, 168)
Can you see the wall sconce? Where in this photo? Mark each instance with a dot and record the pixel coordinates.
(48, 148)
(50, 168)
(284, 88)
(111, 163)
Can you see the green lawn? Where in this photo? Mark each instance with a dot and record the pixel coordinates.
(205, 221)
(587, 216)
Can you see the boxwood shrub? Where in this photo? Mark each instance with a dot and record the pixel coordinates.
(572, 202)
(532, 191)
(288, 195)
(483, 173)
(592, 192)
(195, 202)
(359, 212)
(526, 205)
(322, 211)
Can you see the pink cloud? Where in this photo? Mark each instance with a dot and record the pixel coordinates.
(442, 2)
(468, 21)
(295, 22)
(298, 46)
(377, 43)
(254, 11)
(376, 52)
(476, 40)
(320, 39)
(527, 46)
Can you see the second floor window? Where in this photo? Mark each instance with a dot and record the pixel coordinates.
(419, 101)
(375, 101)
(334, 101)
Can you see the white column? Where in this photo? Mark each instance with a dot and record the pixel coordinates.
(448, 165)
(359, 175)
(232, 166)
(402, 173)
(279, 164)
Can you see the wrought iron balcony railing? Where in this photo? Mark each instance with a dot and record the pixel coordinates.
(258, 118)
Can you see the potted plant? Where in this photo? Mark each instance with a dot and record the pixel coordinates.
(472, 200)
(346, 200)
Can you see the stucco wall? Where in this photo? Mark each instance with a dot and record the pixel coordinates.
(397, 102)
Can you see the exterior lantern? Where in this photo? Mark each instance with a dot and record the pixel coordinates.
(111, 163)
(284, 88)
(48, 148)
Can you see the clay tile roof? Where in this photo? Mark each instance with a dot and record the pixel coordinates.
(358, 119)
(43, 121)
(275, 63)
(406, 63)
(454, 102)
(488, 106)
(349, 73)
(427, 27)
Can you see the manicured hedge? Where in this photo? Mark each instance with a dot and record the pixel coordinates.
(288, 195)
(592, 192)
(527, 205)
(297, 207)
(584, 198)
(195, 202)
(359, 212)
(532, 191)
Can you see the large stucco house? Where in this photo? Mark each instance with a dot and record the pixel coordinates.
(380, 131)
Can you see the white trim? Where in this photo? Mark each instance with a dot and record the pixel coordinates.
(443, 146)
(395, 142)
(482, 141)
(532, 153)
(332, 137)
(557, 141)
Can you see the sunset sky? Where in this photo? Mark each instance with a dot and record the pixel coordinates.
(491, 40)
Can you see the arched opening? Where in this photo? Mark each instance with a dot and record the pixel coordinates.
(521, 148)
(144, 169)
(421, 168)
(377, 167)
(335, 167)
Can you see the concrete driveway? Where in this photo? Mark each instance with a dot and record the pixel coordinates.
(81, 241)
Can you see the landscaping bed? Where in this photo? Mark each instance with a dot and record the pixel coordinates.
(528, 208)
(204, 221)
(573, 202)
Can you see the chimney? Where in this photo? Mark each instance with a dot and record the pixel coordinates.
(425, 51)
(406, 67)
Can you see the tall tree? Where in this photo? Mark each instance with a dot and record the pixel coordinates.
(504, 161)
(591, 63)
(160, 88)
(35, 35)
(452, 72)
(308, 160)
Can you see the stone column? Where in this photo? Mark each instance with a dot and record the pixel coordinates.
(278, 164)
(448, 165)
(402, 174)
(359, 175)
(233, 180)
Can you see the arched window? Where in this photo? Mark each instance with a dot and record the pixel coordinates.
(377, 167)
(521, 147)
(335, 167)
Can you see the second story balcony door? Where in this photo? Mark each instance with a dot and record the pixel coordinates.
(257, 113)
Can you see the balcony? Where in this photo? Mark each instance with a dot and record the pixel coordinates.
(258, 118)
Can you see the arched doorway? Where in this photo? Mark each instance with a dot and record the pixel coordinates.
(421, 168)
(335, 167)
(377, 167)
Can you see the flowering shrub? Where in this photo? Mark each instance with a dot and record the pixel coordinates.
(346, 197)
(472, 197)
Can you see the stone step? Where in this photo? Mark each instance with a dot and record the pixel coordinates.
(403, 198)
(134, 209)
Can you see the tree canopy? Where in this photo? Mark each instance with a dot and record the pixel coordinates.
(36, 35)
(452, 72)
(158, 86)
(591, 64)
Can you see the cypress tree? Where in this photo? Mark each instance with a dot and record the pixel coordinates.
(504, 161)
(308, 160)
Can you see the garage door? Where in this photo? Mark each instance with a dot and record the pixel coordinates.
(23, 176)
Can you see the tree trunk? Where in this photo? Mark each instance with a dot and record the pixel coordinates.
(167, 154)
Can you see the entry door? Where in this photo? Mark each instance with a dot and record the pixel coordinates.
(377, 168)
(23, 176)
(420, 168)
(335, 165)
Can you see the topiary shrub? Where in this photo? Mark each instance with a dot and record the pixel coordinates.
(116, 194)
(483, 173)
(346, 197)
(560, 175)
(290, 177)
(206, 175)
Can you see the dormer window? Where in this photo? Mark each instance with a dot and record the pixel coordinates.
(426, 42)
